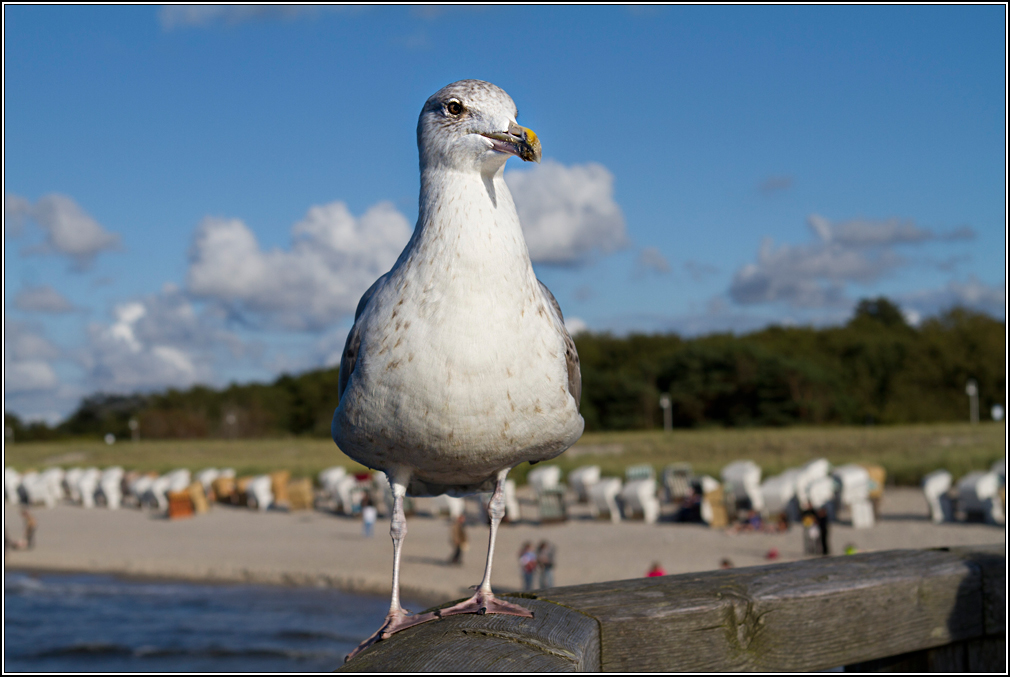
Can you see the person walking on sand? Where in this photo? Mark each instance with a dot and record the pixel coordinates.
(30, 526)
(459, 540)
(369, 513)
(527, 565)
(545, 560)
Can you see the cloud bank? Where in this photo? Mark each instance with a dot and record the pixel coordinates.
(42, 299)
(815, 275)
(70, 231)
(568, 213)
(333, 259)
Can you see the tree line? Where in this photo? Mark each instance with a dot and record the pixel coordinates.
(876, 368)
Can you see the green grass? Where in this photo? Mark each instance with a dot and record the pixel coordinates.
(907, 452)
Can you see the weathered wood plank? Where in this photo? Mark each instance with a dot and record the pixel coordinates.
(901, 609)
(991, 562)
(556, 639)
(808, 615)
(973, 655)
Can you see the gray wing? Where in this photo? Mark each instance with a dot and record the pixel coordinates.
(349, 357)
(571, 355)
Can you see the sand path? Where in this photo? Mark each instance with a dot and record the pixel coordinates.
(315, 548)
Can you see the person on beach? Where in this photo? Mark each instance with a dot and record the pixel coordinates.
(368, 516)
(656, 570)
(527, 565)
(459, 540)
(545, 560)
(11, 544)
(30, 526)
(822, 522)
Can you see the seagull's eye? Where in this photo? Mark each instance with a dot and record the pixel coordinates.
(454, 107)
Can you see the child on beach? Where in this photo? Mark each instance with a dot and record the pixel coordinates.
(527, 565)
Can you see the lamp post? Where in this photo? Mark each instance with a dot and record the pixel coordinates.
(972, 390)
(664, 402)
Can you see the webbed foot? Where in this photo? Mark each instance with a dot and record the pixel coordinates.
(485, 603)
(395, 621)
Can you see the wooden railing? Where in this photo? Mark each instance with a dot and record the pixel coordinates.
(898, 610)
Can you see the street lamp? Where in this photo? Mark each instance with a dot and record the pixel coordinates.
(664, 402)
(972, 390)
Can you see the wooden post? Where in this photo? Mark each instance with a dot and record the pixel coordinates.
(938, 608)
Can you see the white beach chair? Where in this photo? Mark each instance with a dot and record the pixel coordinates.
(110, 487)
(603, 498)
(259, 493)
(345, 494)
(35, 489)
(639, 497)
(581, 479)
(853, 492)
(677, 481)
(821, 493)
(742, 481)
(642, 471)
(999, 468)
(70, 488)
(206, 478)
(778, 494)
(444, 504)
(136, 489)
(544, 477)
(53, 478)
(936, 488)
(710, 487)
(808, 474)
(12, 479)
(86, 485)
(978, 492)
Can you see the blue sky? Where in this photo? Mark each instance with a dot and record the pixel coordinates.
(201, 194)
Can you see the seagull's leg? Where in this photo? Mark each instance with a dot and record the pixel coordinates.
(484, 601)
(398, 618)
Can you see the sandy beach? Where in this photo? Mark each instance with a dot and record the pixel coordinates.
(321, 549)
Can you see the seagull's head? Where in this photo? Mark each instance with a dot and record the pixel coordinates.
(471, 125)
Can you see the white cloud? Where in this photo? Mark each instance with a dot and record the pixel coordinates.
(567, 213)
(576, 325)
(814, 275)
(972, 294)
(28, 376)
(70, 231)
(699, 270)
(115, 360)
(650, 259)
(27, 357)
(333, 259)
(157, 341)
(16, 209)
(203, 16)
(24, 341)
(775, 184)
(42, 299)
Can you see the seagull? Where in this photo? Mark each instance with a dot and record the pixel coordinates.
(459, 366)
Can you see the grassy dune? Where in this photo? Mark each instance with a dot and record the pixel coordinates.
(908, 452)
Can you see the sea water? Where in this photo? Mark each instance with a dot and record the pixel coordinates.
(93, 623)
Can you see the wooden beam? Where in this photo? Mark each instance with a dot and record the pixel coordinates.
(809, 615)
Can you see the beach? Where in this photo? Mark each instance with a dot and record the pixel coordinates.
(312, 548)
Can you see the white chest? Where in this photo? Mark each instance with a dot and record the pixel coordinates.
(461, 369)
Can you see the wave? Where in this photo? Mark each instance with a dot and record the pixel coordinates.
(101, 650)
(315, 635)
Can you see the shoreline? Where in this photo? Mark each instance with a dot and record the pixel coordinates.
(315, 549)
